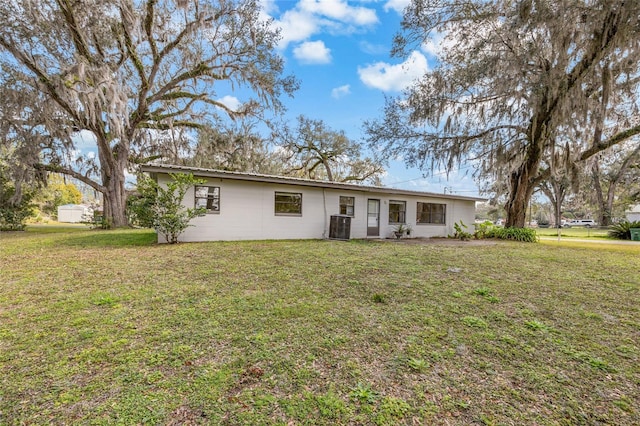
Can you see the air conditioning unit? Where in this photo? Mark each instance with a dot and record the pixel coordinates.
(340, 227)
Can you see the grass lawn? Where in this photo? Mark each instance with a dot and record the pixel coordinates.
(574, 232)
(104, 327)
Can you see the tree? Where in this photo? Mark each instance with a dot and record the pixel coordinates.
(608, 172)
(121, 70)
(556, 188)
(515, 81)
(162, 206)
(319, 152)
(18, 181)
(235, 148)
(55, 193)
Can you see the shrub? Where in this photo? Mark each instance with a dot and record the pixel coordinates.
(140, 205)
(14, 210)
(525, 235)
(621, 230)
(461, 232)
(163, 205)
(13, 218)
(483, 229)
(543, 223)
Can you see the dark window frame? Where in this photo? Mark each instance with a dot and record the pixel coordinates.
(345, 207)
(430, 216)
(282, 203)
(211, 200)
(398, 216)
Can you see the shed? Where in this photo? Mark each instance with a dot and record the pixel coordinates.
(73, 213)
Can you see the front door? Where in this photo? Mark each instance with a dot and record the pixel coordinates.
(373, 218)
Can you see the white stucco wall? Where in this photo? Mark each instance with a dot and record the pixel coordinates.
(247, 212)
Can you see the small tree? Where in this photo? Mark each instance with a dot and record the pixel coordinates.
(168, 215)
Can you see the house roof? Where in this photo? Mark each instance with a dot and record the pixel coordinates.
(255, 177)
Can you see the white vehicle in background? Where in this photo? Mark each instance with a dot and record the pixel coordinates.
(588, 223)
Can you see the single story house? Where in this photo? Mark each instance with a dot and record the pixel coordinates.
(74, 213)
(248, 206)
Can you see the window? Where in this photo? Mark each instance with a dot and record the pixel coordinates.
(346, 205)
(431, 213)
(209, 198)
(288, 203)
(397, 211)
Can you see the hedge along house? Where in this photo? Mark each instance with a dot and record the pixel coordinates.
(246, 206)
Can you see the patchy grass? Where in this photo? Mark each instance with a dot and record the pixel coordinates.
(109, 328)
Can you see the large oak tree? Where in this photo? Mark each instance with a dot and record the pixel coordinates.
(316, 151)
(119, 69)
(515, 81)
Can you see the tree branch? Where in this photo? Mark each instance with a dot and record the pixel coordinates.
(51, 89)
(69, 172)
(614, 140)
(78, 40)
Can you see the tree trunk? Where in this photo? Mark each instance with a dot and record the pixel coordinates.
(595, 176)
(115, 199)
(113, 162)
(521, 190)
(558, 213)
(605, 205)
(560, 191)
(555, 192)
(516, 206)
(607, 214)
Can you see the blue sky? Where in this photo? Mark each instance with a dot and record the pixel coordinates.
(340, 52)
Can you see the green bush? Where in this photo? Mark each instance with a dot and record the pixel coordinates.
(460, 231)
(13, 218)
(140, 205)
(162, 205)
(483, 229)
(543, 223)
(14, 211)
(621, 230)
(525, 235)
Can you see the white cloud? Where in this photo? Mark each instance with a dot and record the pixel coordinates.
(312, 52)
(438, 43)
(374, 49)
(388, 77)
(296, 26)
(341, 91)
(311, 17)
(230, 102)
(268, 6)
(340, 10)
(74, 154)
(397, 5)
(84, 139)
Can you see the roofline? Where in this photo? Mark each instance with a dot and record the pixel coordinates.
(256, 177)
